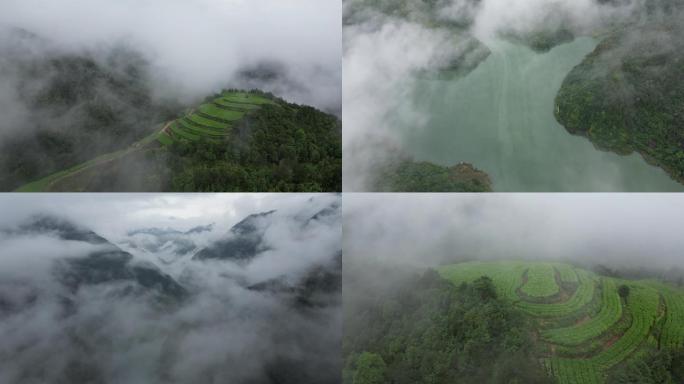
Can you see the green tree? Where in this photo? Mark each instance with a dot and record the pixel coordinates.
(623, 291)
(370, 369)
(485, 287)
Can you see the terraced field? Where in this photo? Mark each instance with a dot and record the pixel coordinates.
(580, 298)
(541, 281)
(673, 324)
(215, 120)
(610, 313)
(585, 329)
(567, 273)
(211, 121)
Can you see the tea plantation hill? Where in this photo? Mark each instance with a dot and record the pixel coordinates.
(505, 322)
(213, 120)
(233, 141)
(589, 328)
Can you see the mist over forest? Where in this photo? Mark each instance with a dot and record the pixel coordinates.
(194, 48)
(170, 288)
(79, 79)
(402, 57)
(502, 288)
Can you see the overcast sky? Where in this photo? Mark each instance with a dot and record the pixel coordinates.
(197, 46)
(426, 229)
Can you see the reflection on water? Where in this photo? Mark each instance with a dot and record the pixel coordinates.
(500, 118)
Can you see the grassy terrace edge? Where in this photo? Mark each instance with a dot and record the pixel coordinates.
(592, 321)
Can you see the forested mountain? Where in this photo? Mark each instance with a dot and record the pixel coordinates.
(70, 107)
(82, 120)
(276, 146)
(83, 306)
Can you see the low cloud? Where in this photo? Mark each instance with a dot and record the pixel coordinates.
(635, 230)
(197, 47)
(224, 330)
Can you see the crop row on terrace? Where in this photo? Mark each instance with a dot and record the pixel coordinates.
(643, 307)
(609, 314)
(568, 371)
(673, 326)
(566, 272)
(541, 281)
(642, 304)
(178, 131)
(581, 297)
(215, 119)
(200, 121)
(507, 277)
(223, 114)
(196, 130)
(245, 98)
(228, 106)
(599, 329)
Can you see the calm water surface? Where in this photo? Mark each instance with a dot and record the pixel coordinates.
(500, 118)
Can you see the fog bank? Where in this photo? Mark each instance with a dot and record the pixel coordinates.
(84, 289)
(626, 230)
(200, 46)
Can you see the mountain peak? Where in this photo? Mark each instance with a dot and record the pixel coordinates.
(63, 228)
(249, 223)
(245, 240)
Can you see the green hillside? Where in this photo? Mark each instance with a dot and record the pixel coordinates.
(587, 326)
(628, 94)
(215, 119)
(420, 176)
(233, 141)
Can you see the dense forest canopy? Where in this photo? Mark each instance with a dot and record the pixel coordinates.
(628, 95)
(426, 330)
(283, 147)
(412, 176)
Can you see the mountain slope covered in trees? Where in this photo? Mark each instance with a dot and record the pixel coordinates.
(628, 94)
(426, 330)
